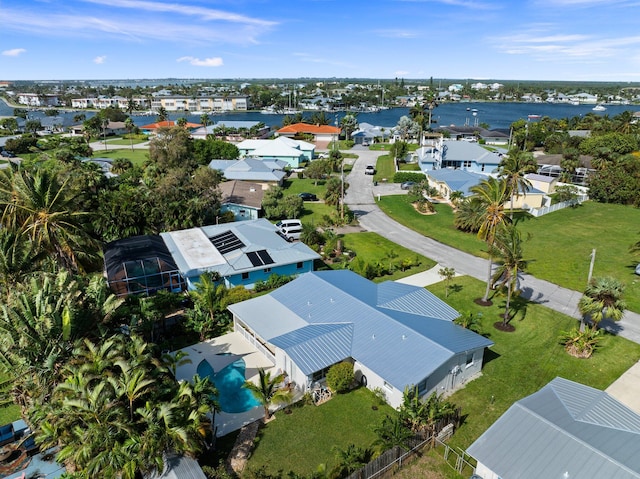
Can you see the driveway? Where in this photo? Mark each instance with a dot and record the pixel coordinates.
(361, 198)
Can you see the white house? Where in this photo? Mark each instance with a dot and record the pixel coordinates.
(282, 148)
(395, 335)
(565, 430)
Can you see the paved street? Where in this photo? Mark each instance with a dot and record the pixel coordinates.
(361, 198)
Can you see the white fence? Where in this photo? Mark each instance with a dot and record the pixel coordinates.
(558, 206)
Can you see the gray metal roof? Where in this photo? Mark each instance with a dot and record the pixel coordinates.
(565, 427)
(180, 467)
(197, 257)
(401, 332)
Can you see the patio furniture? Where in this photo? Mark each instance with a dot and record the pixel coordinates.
(7, 434)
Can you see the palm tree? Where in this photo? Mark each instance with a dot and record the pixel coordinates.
(392, 433)
(513, 169)
(45, 211)
(204, 119)
(267, 391)
(129, 125)
(350, 460)
(468, 216)
(18, 257)
(508, 247)
(603, 298)
(491, 193)
(181, 122)
(162, 114)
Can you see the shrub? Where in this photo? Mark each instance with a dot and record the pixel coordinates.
(402, 176)
(340, 377)
(274, 281)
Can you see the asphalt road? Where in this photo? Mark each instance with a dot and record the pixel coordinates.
(361, 197)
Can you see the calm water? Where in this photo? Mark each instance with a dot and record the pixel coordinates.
(496, 115)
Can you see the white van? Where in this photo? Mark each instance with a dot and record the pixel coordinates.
(290, 229)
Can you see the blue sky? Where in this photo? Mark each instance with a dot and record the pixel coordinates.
(595, 40)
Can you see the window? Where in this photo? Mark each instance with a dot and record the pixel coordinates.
(469, 359)
(267, 270)
(299, 265)
(466, 164)
(388, 386)
(245, 275)
(482, 169)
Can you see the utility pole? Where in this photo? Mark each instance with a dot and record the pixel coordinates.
(593, 260)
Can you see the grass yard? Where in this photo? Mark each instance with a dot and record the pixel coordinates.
(9, 411)
(522, 362)
(137, 156)
(385, 168)
(303, 440)
(560, 243)
(373, 248)
(127, 142)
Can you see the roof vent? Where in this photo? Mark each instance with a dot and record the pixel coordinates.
(252, 190)
(373, 336)
(404, 336)
(332, 300)
(308, 303)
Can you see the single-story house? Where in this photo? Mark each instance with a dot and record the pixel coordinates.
(105, 165)
(448, 180)
(565, 430)
(243, 198)
(544, 183)
(395, 335)
(463, 155)
(282, 148)
(491, 137)
(152, 128)
(252, 169)
(242, 253)
(370, 133)
(321, 133)
(113, 128)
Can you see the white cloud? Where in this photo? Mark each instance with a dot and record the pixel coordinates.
(14, 52)
(205, 62)
(401, 73)
(397, 33)
(100, 59)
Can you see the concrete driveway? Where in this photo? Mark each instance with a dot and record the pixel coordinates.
(361, 197)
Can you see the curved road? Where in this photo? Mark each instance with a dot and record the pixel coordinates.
(361, 198)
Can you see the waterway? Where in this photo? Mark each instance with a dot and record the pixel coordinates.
(495, 114)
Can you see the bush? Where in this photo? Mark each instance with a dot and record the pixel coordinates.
(402, 176)
(274, 281)
(340, 377)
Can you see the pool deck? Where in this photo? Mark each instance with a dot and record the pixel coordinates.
(211, 350)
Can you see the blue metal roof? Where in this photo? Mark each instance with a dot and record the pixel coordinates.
(403, 333)
(565, 427)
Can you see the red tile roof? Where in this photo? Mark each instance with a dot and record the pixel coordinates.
(313, 129)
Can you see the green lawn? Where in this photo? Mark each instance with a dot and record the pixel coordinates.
(373, 248)
(137, 156)
(9, 411)
(385, 168)
(560, 243)
(126, 141)
(522, 362)
(303, 440)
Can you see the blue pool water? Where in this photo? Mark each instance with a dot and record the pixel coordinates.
(232, 397)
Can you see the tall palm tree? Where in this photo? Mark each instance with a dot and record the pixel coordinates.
(204, 119)
(491, 193)
(18, 257)
(508, 247)
(513, 169)
(267, 391)
(603, 298)
(46, 212)
(129, 125)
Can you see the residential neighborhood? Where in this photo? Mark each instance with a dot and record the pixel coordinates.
(390, 282)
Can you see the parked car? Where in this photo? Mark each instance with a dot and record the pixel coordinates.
(369, 170)
(407, 185)
(308, 197)
(7, 154)
(290, 229)
(365, 143)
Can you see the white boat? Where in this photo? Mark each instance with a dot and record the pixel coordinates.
(599, 108)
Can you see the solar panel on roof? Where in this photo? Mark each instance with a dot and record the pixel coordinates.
(264, 256)
(226, 242)
(260, 258)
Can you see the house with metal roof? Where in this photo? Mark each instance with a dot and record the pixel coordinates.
(565, 430)
(464, 155)
(282, 148)
(368, 133)
(242, 198)
(396, 335)
(252, 169)
(242, 253)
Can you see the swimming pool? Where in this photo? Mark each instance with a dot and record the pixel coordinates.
(232, 397)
